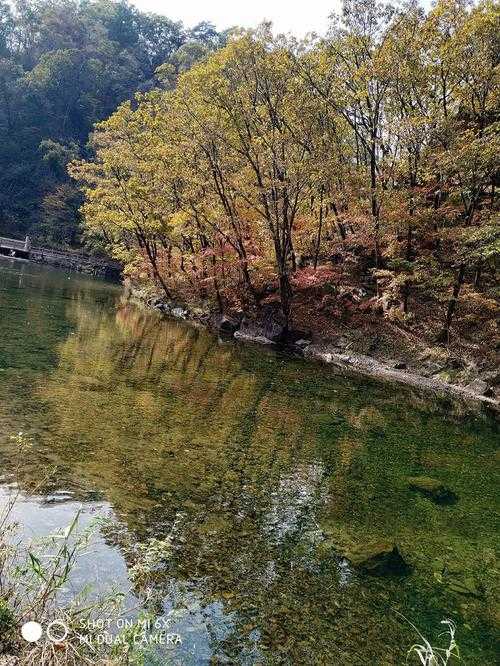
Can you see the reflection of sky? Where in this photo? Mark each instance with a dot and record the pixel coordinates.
(293, 501)
(201, 626)
(204, 627)
(99, 564)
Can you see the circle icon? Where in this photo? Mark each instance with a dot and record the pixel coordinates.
(31, 631)
(57, 631)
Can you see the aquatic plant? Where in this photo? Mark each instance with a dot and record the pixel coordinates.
(33, 575)
(430, 655)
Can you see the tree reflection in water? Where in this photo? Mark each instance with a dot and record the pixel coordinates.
(268, 467)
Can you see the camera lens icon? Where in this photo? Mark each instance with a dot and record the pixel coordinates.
(31, 631)
(57, 631)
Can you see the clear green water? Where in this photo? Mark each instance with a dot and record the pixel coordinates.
(262, 462)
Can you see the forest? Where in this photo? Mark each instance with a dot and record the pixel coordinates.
(64, 65)
(338, 177)
(348, 178)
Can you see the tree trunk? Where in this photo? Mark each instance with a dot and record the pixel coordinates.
(407, 287)
(151, 251)
(286, 298)
(320, 226)
(477, 275)
(444, 336)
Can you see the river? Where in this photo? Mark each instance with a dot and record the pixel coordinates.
(261, 469)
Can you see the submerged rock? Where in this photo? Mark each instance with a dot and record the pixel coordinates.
(466, 586)
(381, 558)
(59, 497)
(433, 489)
(90, 384)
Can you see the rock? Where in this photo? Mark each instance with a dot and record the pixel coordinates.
(90, 384)
(179, 312)
(269, 289)
(382, 558)
(480, 387)
(199, 314)
(433, 489)
(248, 337)
(341, 342)
(397, 365)
(294, 335)
(269, 324)
(58, 498)
(430, 368)
(491, 377)
(455, 363)
(226, 325)
(466, 586)
(302, 344)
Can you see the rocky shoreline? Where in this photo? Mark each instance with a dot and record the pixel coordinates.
(266, 329)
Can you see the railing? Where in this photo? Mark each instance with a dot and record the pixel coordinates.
(12, 244)
(73, 260)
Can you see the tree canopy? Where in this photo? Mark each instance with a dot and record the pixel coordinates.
(369, 156)
(64, 65)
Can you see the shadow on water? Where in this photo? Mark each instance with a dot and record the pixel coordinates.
(264, 470)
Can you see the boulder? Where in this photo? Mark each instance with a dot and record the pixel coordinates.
(480, 387)
(294, 335)
(90, 384)
(156, 302)
(397, 365)
(179, 312)
(269, 325)
(381, 558)
(226, 325)
(430, 368)
(491, 377)
(433, 489)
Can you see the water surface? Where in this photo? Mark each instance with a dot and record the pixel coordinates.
(263, 469)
